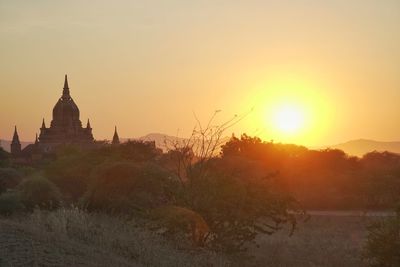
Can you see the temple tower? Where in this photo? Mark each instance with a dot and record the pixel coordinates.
(115, 140)
(15, 144)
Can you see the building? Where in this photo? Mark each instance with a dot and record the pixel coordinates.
(65, 129)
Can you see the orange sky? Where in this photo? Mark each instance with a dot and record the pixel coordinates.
(146, 66)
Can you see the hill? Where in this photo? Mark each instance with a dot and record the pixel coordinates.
(362, 146)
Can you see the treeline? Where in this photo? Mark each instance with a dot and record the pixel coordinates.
(325, 179)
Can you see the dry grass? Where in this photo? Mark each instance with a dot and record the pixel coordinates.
(321, 241)
(123, 242)
(71, 237)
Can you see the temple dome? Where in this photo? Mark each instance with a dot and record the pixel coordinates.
(66, 112)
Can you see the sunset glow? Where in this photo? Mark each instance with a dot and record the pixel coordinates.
(205, 133)
(299, 68)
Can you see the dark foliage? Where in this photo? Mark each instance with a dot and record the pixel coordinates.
(138, 150)
(9, 178)
(127, 187)
(238, 209)
(4, 158)
(324, 179)
(39, 192)
(72, 169)
(10, 203)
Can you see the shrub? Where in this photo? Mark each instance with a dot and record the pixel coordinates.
(182, 220)
(10, 203)
(127, 187)
(383, 242)
(71, 170)
(9, 178)
(39, 192)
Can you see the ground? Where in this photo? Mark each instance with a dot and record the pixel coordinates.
(20, 247)
(326, 239)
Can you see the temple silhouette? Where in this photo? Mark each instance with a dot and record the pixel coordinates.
(65, 129)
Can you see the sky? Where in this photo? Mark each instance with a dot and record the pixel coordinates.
(149, 66)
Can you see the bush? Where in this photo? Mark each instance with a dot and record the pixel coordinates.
(39, 192)
(4, 158)
(383, 242)
(127, 187)
(71, 170)
(9, 178)
(180, 220)
(10, 203)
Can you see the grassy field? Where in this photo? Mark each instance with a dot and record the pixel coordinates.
(75, 238)
(323, 240)
(70, 237)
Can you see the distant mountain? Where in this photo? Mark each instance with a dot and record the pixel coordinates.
(5, 144)
(362, 146)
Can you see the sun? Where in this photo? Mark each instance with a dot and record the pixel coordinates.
(289, 118)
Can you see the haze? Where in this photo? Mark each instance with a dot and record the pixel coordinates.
(146, 66)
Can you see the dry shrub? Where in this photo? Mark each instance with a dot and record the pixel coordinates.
(180, 219)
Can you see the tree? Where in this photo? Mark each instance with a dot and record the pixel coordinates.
(138, 150)
(236, 208)
(127, 187)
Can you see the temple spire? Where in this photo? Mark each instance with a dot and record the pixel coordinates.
(43, 124)
(15, 144)
(115, 140)
(66, 94)
(88, 124)
(15, 136)
(36, 139)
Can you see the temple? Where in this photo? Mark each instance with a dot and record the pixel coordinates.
(65, 129)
